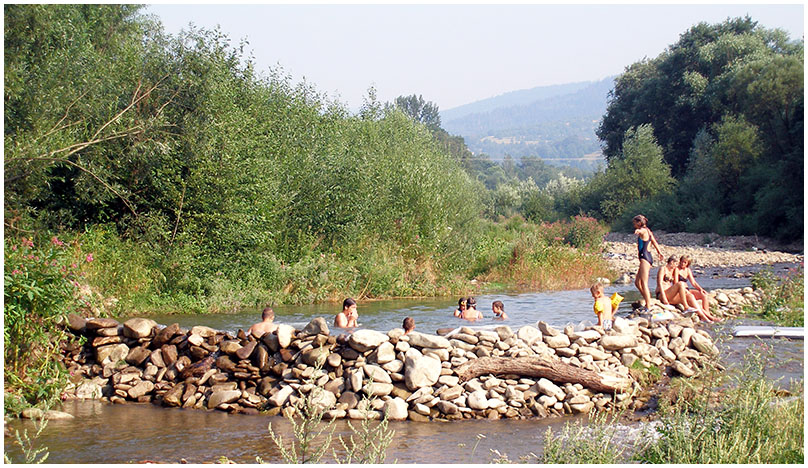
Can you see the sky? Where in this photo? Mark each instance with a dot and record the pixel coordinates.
(455, 54)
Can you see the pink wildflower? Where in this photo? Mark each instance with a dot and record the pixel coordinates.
(16, 272)
(89, 258)
(13, 247)
(55, 241)
(74, 265)
(27, 242)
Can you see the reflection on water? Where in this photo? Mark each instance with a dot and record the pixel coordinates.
(106, 433)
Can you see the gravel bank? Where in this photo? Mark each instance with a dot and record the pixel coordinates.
(706, 250)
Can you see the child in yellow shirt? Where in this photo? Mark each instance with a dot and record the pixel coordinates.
(605, 307)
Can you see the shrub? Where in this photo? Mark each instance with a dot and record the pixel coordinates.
(783, 298)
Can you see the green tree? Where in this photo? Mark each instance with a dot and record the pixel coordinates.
(425, 112)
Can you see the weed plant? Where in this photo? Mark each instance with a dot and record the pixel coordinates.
(31, 454)
(748, 423)
(783, 298)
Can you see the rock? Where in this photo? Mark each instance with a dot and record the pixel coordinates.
(138, 328)
(622, 326)
(223, 396)
(529, 334)
(504, 332)
(666, 353)
(91, 389)
(173, 397)
(452, 393)
(364, 340)
(230, 347)
(594, 352)
(683, 369)
(140, 389)
(323, 399)
(204, 332)
(282, 396)
(687, 334)
(285, 334)
(32, 413)
(548, 330)
(722, 298)
(628, 359)
(385, 353)
(420, 371)
(582, 407)
(111, 353)
(549, 388)
(76, 323)
(165, 335)
(349, 399)
(395, 409)
(586, 335)
(428, 341)
(317, 326)
(246, 351)
(557, 341)
(53, 415)
(478, 400)
(137, 356)
(618, 342)
(315, 356)
(377, 374)
(378, 389)
(447, 407)
(703, 345)
(394, 366)
(101, 323)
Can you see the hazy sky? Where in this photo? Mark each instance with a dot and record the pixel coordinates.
(457, 54)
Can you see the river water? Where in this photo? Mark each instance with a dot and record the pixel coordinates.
(106, 433)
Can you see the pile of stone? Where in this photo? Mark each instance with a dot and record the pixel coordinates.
(368, 373)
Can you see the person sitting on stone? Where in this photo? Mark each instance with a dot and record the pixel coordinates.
(347, 318)
(266, 324)
(409, 325)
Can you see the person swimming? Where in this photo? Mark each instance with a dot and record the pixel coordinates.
(471, 312)
(498, 308)
(461, 307)
(348, 317)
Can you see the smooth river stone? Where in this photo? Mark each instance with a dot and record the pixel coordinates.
(364, 340)
(420, 371)
(428, 341)
(138, 328)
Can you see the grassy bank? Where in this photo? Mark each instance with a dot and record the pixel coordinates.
(783, 297)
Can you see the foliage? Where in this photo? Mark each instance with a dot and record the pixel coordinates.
(726, 105)
(371, 442)
(40, 289)
(30, 453)
(583, 444)
(749, 425)
(783, 298)
(419, 110)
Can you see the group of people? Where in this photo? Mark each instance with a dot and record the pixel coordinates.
(467, 310)
(672, 277)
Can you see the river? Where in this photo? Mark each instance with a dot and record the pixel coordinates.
(106, 433)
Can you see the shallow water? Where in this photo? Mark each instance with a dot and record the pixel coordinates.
(107, 433)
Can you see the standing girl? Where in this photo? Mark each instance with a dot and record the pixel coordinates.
(644, 237)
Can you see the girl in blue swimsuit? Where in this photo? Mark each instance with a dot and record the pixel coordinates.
(644, 237)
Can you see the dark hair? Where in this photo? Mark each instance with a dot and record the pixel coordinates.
(267, 313)
(640, 219)
(672, 259)
(472, 302)
(499, 305)
(461, 302)
(409, 324)
(348, 303)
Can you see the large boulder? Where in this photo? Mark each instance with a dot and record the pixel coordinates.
(617, 342)
(478, 400)
(423, 340)
(204, 332)
(317, 326)
(529, 334)
(385, 353)
(703, 344)
(377, 374)
(111, 353)
(315, 356)
(138, 328)
(219, 397)
(396, 409)
(364, 340)
(419, 370)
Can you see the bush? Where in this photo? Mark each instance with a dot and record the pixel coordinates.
(783, 298)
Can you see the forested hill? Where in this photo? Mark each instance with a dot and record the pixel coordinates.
(552, 122)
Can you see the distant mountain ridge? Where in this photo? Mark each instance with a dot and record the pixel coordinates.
(556, 123)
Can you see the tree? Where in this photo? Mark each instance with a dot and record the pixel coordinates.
(419, 110)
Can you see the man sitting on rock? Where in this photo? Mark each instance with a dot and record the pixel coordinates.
(266, 325)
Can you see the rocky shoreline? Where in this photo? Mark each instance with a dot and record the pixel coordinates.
(367, 374)
(725, 256)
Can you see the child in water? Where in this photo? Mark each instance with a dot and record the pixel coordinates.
(471, 312)
(499, 310)
(605, 307)
(461, 308)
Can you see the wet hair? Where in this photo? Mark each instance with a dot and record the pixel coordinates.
(472, 302)
(267, 313)
(596, 287)
(409, 324)
(499, 305)
(461, 302)
(641, 220)
(348, 303)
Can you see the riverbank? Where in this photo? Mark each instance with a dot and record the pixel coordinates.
(720, 254)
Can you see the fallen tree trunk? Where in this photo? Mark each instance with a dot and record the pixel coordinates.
(554, 370)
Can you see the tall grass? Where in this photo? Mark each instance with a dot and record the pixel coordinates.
(783, 298)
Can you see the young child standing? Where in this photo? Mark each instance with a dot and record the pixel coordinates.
(605, 307)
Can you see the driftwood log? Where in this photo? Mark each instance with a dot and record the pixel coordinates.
(551, 369)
